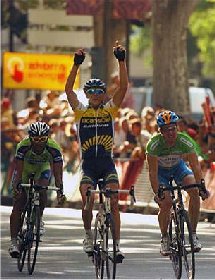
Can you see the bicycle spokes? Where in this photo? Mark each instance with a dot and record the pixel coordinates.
(33, 241)
(175, 248)
(187, 246)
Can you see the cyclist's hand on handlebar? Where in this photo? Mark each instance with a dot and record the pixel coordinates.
(61, 198)
(119, 52)
(79, 57)
(203, 192)
(17, 189)
(157, 199)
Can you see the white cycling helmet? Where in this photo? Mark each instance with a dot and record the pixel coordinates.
(38, 129)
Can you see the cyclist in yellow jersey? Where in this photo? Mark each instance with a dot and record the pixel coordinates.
(95, 131)
(40, 155)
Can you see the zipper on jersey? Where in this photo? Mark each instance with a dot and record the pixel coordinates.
(96, 116)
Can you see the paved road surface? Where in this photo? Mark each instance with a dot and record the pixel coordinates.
(61, 256)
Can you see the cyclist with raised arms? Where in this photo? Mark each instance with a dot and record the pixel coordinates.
(95, 130)
(166, 155)
(36, 154)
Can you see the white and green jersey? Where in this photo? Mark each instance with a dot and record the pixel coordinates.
(169, 156)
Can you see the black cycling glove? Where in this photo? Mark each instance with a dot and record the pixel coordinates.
(79, 58)
(119, 54)
(203, 192)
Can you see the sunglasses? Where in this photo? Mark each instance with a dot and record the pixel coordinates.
(39, 138)
(95, 91)
(169, 129)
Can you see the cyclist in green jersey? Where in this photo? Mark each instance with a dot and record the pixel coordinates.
(95, 130)
(166, 154)
(36, 154)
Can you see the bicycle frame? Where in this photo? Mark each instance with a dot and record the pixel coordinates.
(105, 249)
(182, 243)
(32, 217)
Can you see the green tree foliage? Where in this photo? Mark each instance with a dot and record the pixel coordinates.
(140, 41)
(202, 27)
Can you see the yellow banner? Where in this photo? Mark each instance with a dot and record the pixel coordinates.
(36, 71)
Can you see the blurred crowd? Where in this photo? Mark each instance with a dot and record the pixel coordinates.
(132, 132)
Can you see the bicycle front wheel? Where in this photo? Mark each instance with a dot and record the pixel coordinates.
(98, 259)
(110, 247)
(22, 242)
(187, 245)
(175, 248)
(33, 236)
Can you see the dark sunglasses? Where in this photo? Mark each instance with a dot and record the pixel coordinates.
(169, 129)
(95, 91)
(39, 138)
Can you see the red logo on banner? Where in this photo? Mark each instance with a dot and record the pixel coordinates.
(17, 74)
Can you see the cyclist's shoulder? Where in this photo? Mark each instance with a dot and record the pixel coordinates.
(155, 139)
(22, 148)
(24, 143)
(154, 143)
(52, 144)
(185, 140)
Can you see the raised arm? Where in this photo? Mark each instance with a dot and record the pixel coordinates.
(71, 95)
(119, 53)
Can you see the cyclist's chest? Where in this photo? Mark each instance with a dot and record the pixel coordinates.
(32, 158)
(95, 123)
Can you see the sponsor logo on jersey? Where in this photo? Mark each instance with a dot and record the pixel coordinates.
(187, 142)
(105, 140)
(96, 120)
(154, 145)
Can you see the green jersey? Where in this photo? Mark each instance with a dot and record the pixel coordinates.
(169, 156)
(37, 163)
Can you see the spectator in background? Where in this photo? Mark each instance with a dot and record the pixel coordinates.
(114, 84)
(28, 115)
(119, 138)
(73, 161)
(51, 105)
(10, 136)
(182, 126)
(7, 111)
(148, 120)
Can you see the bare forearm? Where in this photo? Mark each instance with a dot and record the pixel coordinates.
(153, 177)
(123, 77)
(195, 166)
(17, 174)
(71, 96)
(71, 78)
(197, 173)
(58, 173)
(153, 172)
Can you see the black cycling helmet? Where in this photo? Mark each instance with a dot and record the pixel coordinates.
(38, 129)
(167, 117)
(94, 83)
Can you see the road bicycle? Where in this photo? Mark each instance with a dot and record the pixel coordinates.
(104, 255)
(180, 231)
(29, 233)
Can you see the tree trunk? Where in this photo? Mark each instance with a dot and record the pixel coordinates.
(170, 75)
(107, 31)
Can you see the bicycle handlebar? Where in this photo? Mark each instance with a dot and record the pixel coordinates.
(201, 186)
(108, 192)
(38, 187)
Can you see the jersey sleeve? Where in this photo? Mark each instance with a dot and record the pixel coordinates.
(111, 108)
(22, 148)
(55, 151)
(152, 146)
(187, 145)
(79, 111)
